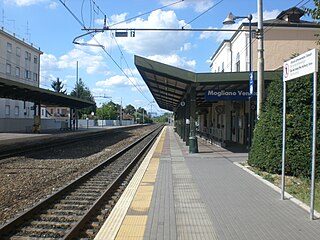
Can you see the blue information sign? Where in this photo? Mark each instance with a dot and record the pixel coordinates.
(251, 83)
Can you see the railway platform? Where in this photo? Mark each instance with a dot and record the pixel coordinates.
(17, 139)
(205, 195)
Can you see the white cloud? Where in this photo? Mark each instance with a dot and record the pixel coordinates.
(101, 92)
(121, 81)
(91, 62)
(175, 60)
(116, 81)
(197, 5)
(186, 47)
(148, 42)
(22, 3)
(48, 62)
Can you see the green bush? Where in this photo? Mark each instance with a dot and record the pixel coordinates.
(266, 150)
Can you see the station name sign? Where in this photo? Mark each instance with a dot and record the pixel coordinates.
(224, 95)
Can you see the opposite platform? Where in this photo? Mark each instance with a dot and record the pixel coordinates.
(206, 196)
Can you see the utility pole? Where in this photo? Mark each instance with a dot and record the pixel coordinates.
(260, 62)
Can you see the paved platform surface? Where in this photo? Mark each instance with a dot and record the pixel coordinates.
(206, 196)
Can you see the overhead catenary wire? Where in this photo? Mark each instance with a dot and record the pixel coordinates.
(102, 47)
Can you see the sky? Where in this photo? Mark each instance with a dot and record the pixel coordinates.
(105, 62)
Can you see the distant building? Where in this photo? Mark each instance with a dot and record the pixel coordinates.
(20, 61)
(285, 35)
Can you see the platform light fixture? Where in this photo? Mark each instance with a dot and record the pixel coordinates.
(230, 19)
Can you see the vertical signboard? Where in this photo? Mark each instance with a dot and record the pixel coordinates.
(299, 66)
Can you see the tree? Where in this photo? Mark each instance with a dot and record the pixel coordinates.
(163, 118)
(315, 14)
(129, 109)
(58, 86)
(108, 110)
(266, 150)
(83, 92)
(142, 115)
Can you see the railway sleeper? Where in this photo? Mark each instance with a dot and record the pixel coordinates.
(70, 207)
(94, 186)
(85, 194)
(81, 197)
(95, 225)
(61, 212)
(41, 232)
(101, 218)
(59, 218)
(76, 202)
(91, 233)
(98, 182)
(29, 238)
(91, 188)
(49, 225)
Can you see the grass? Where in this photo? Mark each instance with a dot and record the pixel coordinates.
(297, 187)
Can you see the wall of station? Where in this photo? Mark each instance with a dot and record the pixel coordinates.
(226, 122)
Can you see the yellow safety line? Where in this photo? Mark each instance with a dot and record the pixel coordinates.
(134, 224)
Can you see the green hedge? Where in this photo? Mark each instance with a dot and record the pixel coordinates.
(266, 150)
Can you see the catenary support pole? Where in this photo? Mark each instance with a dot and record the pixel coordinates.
(260, 62)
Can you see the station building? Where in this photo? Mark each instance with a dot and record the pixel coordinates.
(219, 102)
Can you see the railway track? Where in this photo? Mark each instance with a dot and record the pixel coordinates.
(79, 209)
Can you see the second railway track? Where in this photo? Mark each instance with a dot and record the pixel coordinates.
(78, 210)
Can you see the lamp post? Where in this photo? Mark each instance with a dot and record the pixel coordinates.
(231, 20)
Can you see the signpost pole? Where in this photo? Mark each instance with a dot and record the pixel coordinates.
(314, 138)
(284, 111)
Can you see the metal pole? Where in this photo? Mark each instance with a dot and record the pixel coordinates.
(260, 63)
(250, 70)
(314, 138)
(283, 140)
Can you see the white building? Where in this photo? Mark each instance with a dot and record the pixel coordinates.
(19, 61)
(285, 35)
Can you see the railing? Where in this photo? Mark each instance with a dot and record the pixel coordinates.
(212, 134)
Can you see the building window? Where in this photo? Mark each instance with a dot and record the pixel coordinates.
(238, 62)
(16, 110)
(27, 56)
(51, 110)
(7, 110)
(222, 67)
(17, 72)
(35, 60)
(35, 77)
(8, 68)
(9, 47)
(18, 52)
(27, 74)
